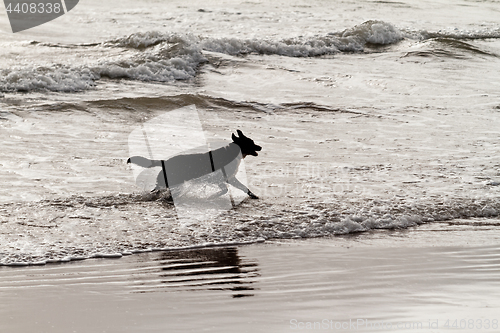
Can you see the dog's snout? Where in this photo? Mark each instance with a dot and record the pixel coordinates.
(258, 148)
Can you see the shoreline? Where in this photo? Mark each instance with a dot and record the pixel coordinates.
(131, 252)
(259, 287)
(474, 232)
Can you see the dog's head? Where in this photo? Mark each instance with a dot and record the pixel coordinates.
(247, 146)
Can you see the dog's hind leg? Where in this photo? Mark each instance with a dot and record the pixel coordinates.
(223, 190)
(236, 183)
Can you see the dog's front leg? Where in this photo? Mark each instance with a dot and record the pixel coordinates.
(236, 183)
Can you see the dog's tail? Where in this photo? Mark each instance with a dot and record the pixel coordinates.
(144, 162)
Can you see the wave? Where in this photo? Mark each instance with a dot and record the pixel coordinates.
(350, 40)
(77, 228)
(360, 38)
(168, 57)
(449, 48)
(457, 34)
(202, 101)
(177, 59)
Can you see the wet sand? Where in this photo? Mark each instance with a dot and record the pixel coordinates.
(373, 279)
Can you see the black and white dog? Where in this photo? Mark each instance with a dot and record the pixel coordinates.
(180, 168)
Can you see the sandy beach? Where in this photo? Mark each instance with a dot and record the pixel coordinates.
(378, 179)
(377, 282)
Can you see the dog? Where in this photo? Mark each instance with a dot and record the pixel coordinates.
(180, 168)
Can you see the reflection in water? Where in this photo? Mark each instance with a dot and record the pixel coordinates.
(205, 269)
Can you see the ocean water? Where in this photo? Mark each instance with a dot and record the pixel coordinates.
(371, 115)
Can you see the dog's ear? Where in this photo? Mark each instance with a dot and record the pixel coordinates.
(240, 134)
(234, 137)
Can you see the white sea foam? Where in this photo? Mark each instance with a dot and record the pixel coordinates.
(454, 33)
(373, 32)
(351, 40)
(167, 57)
(163, 63)
(143, 40)
(151, 226)
(60, 78)
(290, 48)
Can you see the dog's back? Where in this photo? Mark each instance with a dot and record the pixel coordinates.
(181, 168)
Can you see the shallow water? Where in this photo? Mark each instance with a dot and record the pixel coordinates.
(321, 173)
